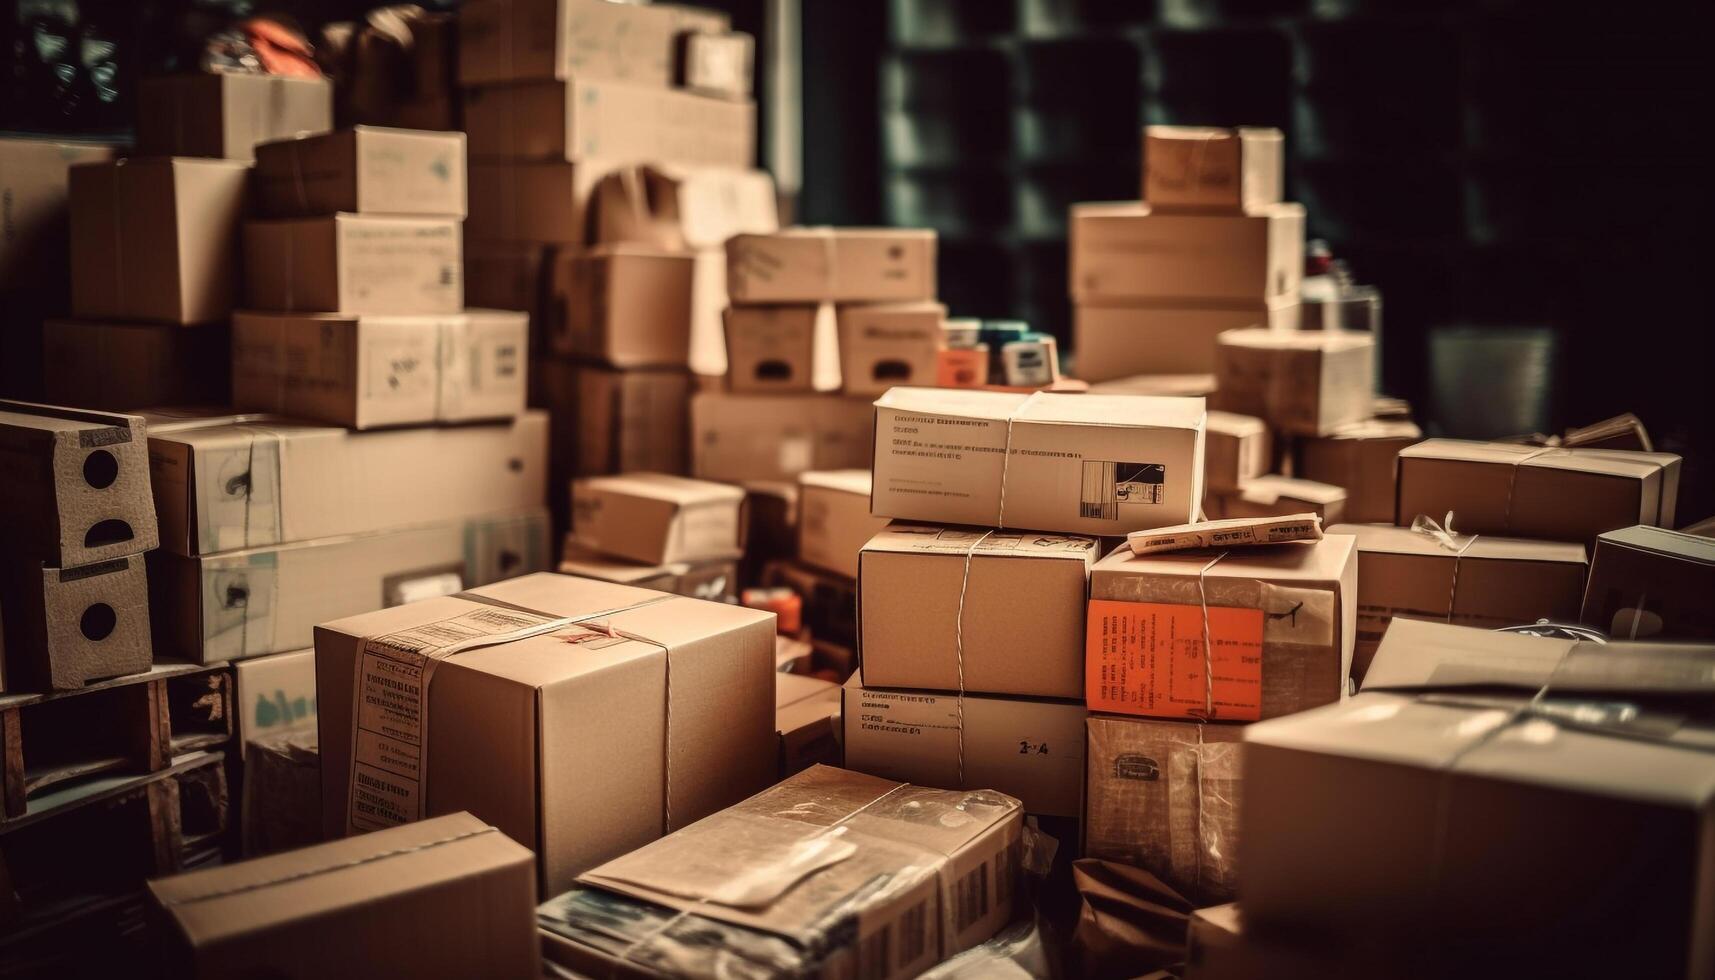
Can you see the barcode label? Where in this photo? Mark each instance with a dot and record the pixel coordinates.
(1005, 869)
(1107, 484)
(971, 898)
(895, 946)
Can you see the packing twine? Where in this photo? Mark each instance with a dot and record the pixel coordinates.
(1005, 464)
(1208, 650)
(254, 886)
(1444, 535)
(1512, 485)
(959, 646)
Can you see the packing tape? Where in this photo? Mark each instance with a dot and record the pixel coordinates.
(1512, 484)
(1444, 535)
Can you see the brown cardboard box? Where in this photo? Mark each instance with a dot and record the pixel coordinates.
(888, 344)
(631, 421)
(717, 64)
(225, 114)
(1651, 583)
(1480, 581)
(841, 265)
(365, 169)
(1237, 448)
(715, 579)
(502, 40)
(1027, 748)
(156, 238)
(776, 437)
(76, 485)
(678, 208)
(1016, 600)
(949, 862)
(281, 808)
(572, 738)
(1360, 457)
(1300, 382)
(1126, 253)
(1082, 464)
(1271, 495)
(334, 909)
(1159, 385)
(656, 518)
(1281, 618)
(66, 627)
(774, 348)
(370, 371)
(1117, 341)
(771, 522)
(582, 119)
(807, 719)
(834, 521)
(511, 277)
(354, 264)
(1204, 168)
(228, 482)
(1164, 796)
(622, 305)
(1459, 827)
(126, 365)
(540, 201)
(34, 175)
(274, 694)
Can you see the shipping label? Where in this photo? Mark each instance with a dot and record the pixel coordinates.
(1148, 658)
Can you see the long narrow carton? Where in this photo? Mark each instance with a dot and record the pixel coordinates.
(888, 344)
(1279, 622)
(1303, 383)
(336, 909)
(1081, 464)
(958, 608)
(225, 114)
(807, 719)
(774, 348)
(624, 306)
(354, 264)
(1127, 253)
(581, 120)
(1362, 458)
(1206, 168)
(1559, 827)
(362, 170)
(777, 437)
(34, 178)
(128, 365)
(1238, 448)
(580, 717)
(74, 485)
(846, 875)
(657, 518)
(66, 627)
(503, 40)
(838, 265)
(834, 522)
(1118, 341)
(715, 579)
(1651, 583)
(1271, 495)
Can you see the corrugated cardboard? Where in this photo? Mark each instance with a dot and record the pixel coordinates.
(1300, 382)
(1237, 448)
(1360, 457)
(623, 305)
(715, 579)
(580, 120)
(776, 437)
(541, 201)
(34, 175)
(66, 627)
(274, 694)
(75, 487)
(1651, 583)
(354, 264)
(657, 518)
(774, 348)
(586, 741)
(842, 265)
(1082, 464)
(1206, 168)
(834, 521)
(1117, 341)
(888, 344)
(125, 366)
(501, 40)
(1016, 600)
(225, 114)
(807, 718)
(365, 170)
(1126, 253)
(156, 238)
(1272, 495)
(717, 64)
(337, 909)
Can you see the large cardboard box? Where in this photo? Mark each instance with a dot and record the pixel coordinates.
(807, 719)
(834, 522)
(1121, 340)
(1237, 448)
(371, 371)
(539, 201)
(963, 609)
(66, 627)
(657, 518)
(34, 177)
(839, 265)
(225, 114)
(624, 306)
(1280, 621)
(1207, 168)
(582, 717)
(1362, 458)
(126, 366)
(777, 437)
(75, 486)
(364, 170)
(354, 264)
(336, 909)
(1082, 464)
(1272, 495)
(227, 482)
(274, 694)
(1303, 383)
(888, 344)
(1127, 253)
(584, 119)
(779, 348)
(502, 40)
(1651, 583)
(156, 238)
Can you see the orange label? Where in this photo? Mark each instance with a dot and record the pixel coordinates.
(1148, 658)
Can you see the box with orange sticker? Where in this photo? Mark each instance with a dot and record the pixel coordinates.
(1238, 635)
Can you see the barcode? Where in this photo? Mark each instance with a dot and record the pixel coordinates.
(1097, 502)
(1107, 484)
(971, 898)
(1005, 868)
(876, 951)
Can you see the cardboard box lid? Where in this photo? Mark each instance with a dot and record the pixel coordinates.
(1316, 562)
(1295, 340)
(844, 481)
(681, 491)
(1604, 462)
(1389, 539)
(1660, 541)
(904, 538)
(1048, 407)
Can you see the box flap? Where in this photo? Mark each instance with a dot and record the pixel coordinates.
(1306, 561)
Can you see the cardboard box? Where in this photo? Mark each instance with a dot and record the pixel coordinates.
(1164, 796)
(539, 201)
(1481, 581)
(777, 437)
(354, 264)
(502, 40)
(225, 114)
(1126, 253)
(1272, 495)
(1082, 464)
(624, 421)
(228, 482)
(720, 65)
(1237, 448)
(571, 737)
(156, 239)
(1526, 492)
(680, 208)
(949, 862)
(921, 588)
(76, 485)
(125, 366)
(771, 521)
(807, 719)
(370, 371)
(1360, 457)
(334, 909)
(1457, 826)
(888, 344)
(1206, 168)
(1303, 383)
(34, 177)
(1116, 341)
(714, 579)
(834, 521)
(66, 627)
(258, 601)
(1281, 620)
(1159, 385)
(274, 694)
(622, 305)
(840, 265)
(363, 170)
(1651, 583)
(583, 119)
(774, 348)
(511, 277)
(281, 809)
(656, 518)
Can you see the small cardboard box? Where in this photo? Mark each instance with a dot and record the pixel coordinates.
(834, 521)
(1237, 448)
(888, 344)
(593, 119)
(66, 627)
(1127, 253)
(720, 65)
(1527, 492)
(584, 717)
(839, 265)
(715, 579)
(1081, 464)
(156, 238)
(334, 909)
(127, 365)
(1117, 341)
(1303, 383)
(1206, 168)
(1026, 748)
(362, 170)
(656, 518)
(923, 589)
(354, 264)
(1271, 495)
(505, 40)
(1281, 620)
(1651, 583)
(1362, 458)
(76, 486)
(34, 177)
(539, 201)
(622, 305)
(1480, 581)
(777, 437)
(371, 371)
(273, 694)
(774, 348)
(225, 114)
(807, 719)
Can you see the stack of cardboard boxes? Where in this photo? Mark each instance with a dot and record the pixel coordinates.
(656, 531)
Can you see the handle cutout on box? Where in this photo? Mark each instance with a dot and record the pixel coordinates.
(103, 533)
(98, 622)
(773, 371)
(891, 370)
(100, 469)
